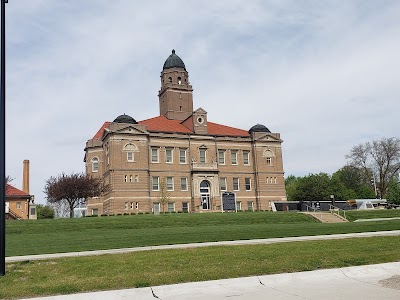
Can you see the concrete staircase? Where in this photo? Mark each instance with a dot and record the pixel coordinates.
(326, 217)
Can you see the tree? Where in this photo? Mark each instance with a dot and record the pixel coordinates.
(291, 185)
(164, 195)
(380, 158)
(312, 187)
(356, 182)
(393, 193)
(44, 212)
(74, 189)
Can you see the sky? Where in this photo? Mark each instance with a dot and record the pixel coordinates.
(324, 74)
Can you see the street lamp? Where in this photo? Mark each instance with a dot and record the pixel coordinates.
(3, 142)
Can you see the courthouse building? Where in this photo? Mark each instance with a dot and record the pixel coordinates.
(181, 161)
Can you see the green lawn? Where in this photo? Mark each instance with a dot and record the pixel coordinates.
(70, 235)
(149, 268)
(372, 214)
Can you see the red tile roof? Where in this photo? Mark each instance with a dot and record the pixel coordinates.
(99, 133)
(162, 124)
(13, 191)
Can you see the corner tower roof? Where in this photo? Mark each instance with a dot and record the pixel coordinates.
(174, 61)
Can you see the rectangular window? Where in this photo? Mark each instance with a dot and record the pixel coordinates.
(185, 206)
(250, 205)
(126, 178)
(170, 183)
(267, 180)
(274, 180)
(235, 184)
(268, 160)
(171, 207)
(221, 157)
(126, 205)
(136, 178)
(203, 157)
(246, 158)
(222, 183)
(169, 155)
(137, 205)
(131, 205)
(248, 184)
(182, 156)
(155, 182)
(234, 157)
(154, 155)
(129, 156)
(239, 205)
(184, 186)
(95, 212)
(130, 178)
(19, 205)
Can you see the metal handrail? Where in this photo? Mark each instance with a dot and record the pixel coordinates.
(314, 211)
(334, 209)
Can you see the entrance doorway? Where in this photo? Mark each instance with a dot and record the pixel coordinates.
(205, 194)
(156, 208)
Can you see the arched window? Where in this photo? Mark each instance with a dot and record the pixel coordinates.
(170, 79)
(269, 155)
(179, 80)
(130, 148)
(95, 164)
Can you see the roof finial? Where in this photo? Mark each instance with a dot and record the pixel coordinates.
(173, 51)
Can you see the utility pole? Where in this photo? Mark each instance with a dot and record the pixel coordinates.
(3, 142)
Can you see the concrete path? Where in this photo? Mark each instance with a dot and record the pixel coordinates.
(195, 245)
(363, 282)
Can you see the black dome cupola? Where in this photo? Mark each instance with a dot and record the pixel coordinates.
(125, 119)
(258, 128)
(174, 61)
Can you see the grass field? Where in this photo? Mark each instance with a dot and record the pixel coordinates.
(353, 215)
(149, 268)
(70, 235)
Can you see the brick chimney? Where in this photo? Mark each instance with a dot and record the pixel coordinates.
(25, 178)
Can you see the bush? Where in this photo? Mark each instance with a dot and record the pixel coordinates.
(44, 212)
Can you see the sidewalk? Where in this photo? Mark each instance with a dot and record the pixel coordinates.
(380, 281)
(196, 245)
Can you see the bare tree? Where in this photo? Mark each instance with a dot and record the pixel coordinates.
(164, 195)
(380, 161)
(74, 189)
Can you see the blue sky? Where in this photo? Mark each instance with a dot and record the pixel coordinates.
(325, 74)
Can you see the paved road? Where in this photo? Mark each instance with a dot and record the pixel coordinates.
(195, 245)
(363, 282)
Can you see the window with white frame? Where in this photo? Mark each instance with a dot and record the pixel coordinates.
(169, 155)
(185, 206)
(171, 206)
(155, 183)
(267, 180)
(129, 156)
(269, 155)
(250, 205)
(234, 157)
(19, 205)
(235, 184)
(95, 164)
(182, 156)
(184, 186)
(170, 183)
(154, 155)
(246, 158)
(247, 182)
(130, 178)
(126, 205)
(221, 157)
(131, 205)
(222, 183)
(136, 178)
(137, 205)
(239, 205)
(126, 178)
(203, 155)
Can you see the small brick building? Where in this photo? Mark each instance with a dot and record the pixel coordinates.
(183, 156)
